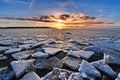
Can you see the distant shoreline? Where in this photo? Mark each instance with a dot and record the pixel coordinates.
(23, 27)
(116, 28)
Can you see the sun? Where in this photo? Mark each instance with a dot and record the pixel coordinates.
(59, 25)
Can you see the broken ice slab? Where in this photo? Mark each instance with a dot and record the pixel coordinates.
(39, 44)
(25, 46)
(3, 57)
(19, 67)
(2, 48)
(72, 62)
(31, 76)
(112, 57)
(6, 73)
(95, 49)
(118, 77)
(6, 43)
(29, 42)
(52, 51)
(49, 63)
(13, 50)
(22, 55)
(40, 55)
(89, 69)
(109, 45)
(102, 66)
(117, 41)
(81, 54)
(53, 75)
(75, 76)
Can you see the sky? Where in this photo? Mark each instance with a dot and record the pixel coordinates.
(105, 9)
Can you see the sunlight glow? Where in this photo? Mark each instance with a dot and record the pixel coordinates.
(59, 25)
(60, 21)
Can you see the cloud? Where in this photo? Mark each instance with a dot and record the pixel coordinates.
(61, 0)
(65, 4)
(31, 4)
(79, 20)
(16, 1)
(21, 2)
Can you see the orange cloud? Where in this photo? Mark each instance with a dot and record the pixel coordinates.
(63, 21)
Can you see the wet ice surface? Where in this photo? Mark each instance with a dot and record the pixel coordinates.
(60, 50)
